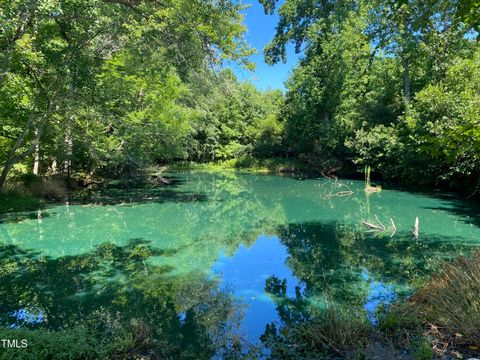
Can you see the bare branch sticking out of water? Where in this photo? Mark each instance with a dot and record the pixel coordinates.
(336, 188)
(383, 226)
(415, 228)
(373, 226)
(393, 227)
(380, 228)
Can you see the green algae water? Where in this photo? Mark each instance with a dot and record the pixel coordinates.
(214, 257)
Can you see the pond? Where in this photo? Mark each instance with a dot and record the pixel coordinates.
(215, 257)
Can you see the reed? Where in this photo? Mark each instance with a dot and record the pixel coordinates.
(368, 186)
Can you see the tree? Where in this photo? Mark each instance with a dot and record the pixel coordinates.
(58, 50)
(369, 72)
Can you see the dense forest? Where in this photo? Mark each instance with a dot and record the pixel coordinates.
(98, 88)
(389, 84)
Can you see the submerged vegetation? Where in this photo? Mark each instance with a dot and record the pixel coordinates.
(112, 303)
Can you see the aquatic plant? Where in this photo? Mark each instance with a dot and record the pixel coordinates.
(368, 186)
(339, 331)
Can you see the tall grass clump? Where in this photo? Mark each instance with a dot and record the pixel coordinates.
(339, 332)
(369, 188)
(448, 306)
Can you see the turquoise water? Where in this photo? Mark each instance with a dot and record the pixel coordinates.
(217, 246)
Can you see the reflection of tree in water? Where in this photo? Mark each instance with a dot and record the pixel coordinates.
(338, 264)
(114, 289)
(330, 257)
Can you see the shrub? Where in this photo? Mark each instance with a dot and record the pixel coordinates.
(13, 200)
(76, 343)
(51, 188)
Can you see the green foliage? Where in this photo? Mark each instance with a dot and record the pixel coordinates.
(468, 11)
(392, 85)
(106, 87)
(240, 121)
(12, 201)
(437, 140)
(74, 343)
(445, 117)
(423, 350)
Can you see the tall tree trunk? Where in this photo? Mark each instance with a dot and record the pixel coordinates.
(67, 164)
(11, 160)
(6, 169)
(36, 156)
(13, 157)
(53, 167)
(69, 149)
(406, 38)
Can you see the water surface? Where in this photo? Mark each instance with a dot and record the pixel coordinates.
(210, 247)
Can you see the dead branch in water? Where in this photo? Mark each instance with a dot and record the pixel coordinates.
(415, 228)
(376, 217)
(337, 189)
(393, 227)
(373, 226)
(380, 228)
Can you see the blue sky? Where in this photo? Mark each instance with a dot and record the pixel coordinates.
(261, 29)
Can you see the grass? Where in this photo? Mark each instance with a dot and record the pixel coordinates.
(271, 165)
(443, 316)
(15, 202)
(441, 319)
(448, 306)
(79, 342)
(339, 332)
(422, 349)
